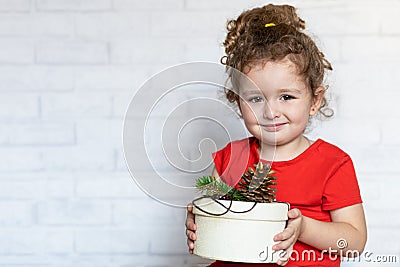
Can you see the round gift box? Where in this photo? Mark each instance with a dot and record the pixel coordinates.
(238, 237)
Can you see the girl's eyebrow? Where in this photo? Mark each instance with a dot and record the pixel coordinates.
(249, 92)
(290, 90)
(283, 90)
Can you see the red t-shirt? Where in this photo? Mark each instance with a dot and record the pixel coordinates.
(319, 180)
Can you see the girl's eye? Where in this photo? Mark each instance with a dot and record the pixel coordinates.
(255, 99)
(286, 97)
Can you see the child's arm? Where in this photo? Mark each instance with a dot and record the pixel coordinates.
(348, 223)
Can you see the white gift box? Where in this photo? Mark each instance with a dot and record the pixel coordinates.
(243, 233)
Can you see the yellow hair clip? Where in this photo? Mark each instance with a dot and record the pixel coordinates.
(269, 25)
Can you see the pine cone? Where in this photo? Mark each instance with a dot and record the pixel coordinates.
(256, 185)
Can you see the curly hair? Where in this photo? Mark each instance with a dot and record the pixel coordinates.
(249, 42)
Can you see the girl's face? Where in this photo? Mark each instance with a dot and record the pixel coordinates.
(277, 106)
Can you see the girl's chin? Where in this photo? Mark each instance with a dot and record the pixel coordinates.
(275, 140)
(267, 137)
(268, 141)
(271, 139)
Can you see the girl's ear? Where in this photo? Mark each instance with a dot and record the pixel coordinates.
(318, 96)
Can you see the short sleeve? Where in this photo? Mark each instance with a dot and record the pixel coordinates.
(232, 161)
(341, 188)
(220, 158)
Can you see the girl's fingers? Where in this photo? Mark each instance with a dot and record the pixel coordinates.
(190, 245)
(285, 234)
(190, 225)
(285, 244)
(191, 235)
(294, 213)
(190, 208)
(188, 233)
(284, 259)
(287, 237)
(190, 228)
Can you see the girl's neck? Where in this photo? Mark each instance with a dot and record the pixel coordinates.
(284, 152)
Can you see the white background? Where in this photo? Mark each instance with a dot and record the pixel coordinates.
(68, 69)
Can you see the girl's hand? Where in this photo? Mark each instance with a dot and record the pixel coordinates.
(289, 236)
(190, 228)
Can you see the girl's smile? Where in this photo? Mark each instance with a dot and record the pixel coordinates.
(273, 127)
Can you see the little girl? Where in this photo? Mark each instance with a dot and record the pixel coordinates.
(317, 178)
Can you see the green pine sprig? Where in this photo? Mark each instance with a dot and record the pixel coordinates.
(256, 185)
(210, 186)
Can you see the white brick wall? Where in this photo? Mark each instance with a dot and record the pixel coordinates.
(73, 5)
(68, 69)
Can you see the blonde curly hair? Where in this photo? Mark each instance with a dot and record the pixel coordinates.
(249, 43)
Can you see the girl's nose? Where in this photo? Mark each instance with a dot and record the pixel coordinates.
(271, 111)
